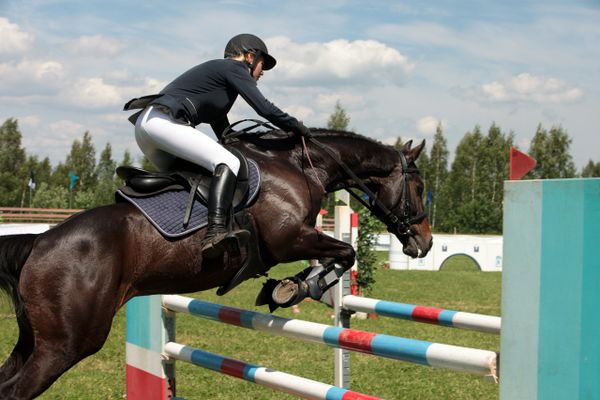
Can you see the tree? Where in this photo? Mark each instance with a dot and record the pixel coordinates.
(39, 172)
(338, 120)
(105, 171)
(591, 170)
(127, 159)
(366, 258)
(82, 162)
(495, 169)
(148, 165)
(436, 173)
(472, 192)
(12, 165)
(60, 176)
(47, 196)
(399, 143)
(551, 150)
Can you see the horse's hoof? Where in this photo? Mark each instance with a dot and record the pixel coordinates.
(285, 291)
(289, 292)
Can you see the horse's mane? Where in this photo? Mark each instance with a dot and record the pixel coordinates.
(317, 133)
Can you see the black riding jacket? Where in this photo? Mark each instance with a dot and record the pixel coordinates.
(206, 93)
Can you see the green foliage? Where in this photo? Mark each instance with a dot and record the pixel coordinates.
(84, 198)
(148, 165)
(471, 198)
(82, 161)
(339, 119)
(399, 143)
(51, 196)
(12, 165)
(591, 170)
(434, 172)
(551, 150)
(127, 159)
(366, 257)
(107, 183)
(466, 199)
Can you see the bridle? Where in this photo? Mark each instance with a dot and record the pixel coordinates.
(399, 225)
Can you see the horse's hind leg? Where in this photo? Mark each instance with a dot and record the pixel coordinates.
(20, 353)
(40, 370)
(53, 354)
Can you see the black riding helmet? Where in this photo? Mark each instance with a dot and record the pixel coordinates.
(248, 43)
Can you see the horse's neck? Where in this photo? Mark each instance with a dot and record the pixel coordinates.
(365, 157)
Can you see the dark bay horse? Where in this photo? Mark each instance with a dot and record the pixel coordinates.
(68, 283)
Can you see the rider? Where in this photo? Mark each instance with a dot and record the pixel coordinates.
(165, 130)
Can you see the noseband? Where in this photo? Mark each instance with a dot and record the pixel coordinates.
(400, 225)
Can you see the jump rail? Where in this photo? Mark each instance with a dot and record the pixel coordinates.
(480, 362)
(280, 381)
(429, 315)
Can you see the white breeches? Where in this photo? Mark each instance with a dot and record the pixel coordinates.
(162, 139)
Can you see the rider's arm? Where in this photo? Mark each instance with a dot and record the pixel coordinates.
(247, 88)
(219, 126)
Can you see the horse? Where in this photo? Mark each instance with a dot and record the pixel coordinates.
(68, 282)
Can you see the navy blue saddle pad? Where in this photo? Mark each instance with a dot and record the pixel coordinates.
(167, 209)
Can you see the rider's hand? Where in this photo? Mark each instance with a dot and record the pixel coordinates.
(303, 130)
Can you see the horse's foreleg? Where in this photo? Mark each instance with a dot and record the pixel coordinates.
(312, 244)
(335, 256)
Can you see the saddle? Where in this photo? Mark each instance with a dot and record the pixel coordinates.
(175, 203)
(185, 176)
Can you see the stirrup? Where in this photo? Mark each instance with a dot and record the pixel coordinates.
(231, 242)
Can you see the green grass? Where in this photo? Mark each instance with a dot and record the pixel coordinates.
(455, 287)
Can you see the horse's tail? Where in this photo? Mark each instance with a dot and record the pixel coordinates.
(14, 251)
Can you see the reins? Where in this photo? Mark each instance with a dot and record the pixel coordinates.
(401, 225)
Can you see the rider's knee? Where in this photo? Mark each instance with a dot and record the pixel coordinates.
(232, 162)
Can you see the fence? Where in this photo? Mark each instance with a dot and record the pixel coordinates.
(51, 215)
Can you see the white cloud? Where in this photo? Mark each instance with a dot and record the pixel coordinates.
(30, 76)
(93, 93)
(96, 45)
(326, 101)
(532, 89)
(337, 61)
(13, 39)
(66, 128)
(29, 121)
(428, 125)
(52, 139)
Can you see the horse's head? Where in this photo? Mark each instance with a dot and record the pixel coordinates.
(401, 193)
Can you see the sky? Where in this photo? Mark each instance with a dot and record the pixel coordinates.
(398, 68)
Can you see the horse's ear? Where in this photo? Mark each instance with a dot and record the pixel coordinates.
(414, 153)
(407, 146)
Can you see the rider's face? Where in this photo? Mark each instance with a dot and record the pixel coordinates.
(258, 68)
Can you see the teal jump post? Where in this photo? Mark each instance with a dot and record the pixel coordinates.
(550, 342)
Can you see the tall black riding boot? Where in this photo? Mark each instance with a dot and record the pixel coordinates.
(219, 238)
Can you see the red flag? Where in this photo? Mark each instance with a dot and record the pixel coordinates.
(520, 164)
